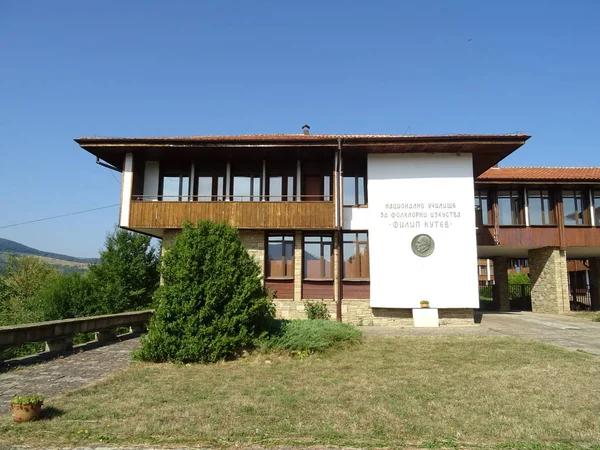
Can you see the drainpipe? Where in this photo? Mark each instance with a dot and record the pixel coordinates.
(339, 195)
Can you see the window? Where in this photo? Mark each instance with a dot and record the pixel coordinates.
(210, 182)
(482, 211)
(356, 255)
(574, 204)
(354, 190)
(540, 207)
(317, 257)
(175, 185)
(509, 207)
(316, 181)
(280, 256)
(597, 207)
(281, 181)
(247, 182)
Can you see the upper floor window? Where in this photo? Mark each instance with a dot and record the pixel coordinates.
(247, 181)
(316, 181)
(540, 207)
(355, 180)
(482, 210)
(174, 183)
(356, 255)
(280, 256)
(574, 206)
(210, 182)
(318, 251)
(281, 181)
(510, 207)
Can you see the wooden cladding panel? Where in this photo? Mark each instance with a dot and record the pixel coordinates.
(356, 289)
(317, 289)
(259, 215)
(582, 236)
(284, 288)
(529, 236)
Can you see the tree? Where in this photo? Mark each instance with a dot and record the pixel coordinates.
(67, 296)
(127, 274)
(22, 279)
(212, 302)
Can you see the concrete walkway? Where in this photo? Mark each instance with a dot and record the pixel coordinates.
(565, 331)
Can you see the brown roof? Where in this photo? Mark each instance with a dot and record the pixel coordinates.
(541, 174)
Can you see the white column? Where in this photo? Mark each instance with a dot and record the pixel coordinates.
(298, 180)
(126, 190)
(526, 206)
(592, 209)
(489, 274)
(228, 182)
(151, 180)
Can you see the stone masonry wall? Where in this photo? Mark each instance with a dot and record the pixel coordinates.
(254, 241)
(549, 280)
(359, 312)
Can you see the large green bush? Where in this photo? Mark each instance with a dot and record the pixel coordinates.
(212, 302)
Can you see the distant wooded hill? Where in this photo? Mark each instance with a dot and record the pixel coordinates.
(64, 263)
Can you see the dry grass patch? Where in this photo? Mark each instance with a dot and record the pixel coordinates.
(585, 315)
(387, 392)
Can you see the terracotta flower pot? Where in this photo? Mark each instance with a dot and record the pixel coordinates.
(423, 305)
(26, 412)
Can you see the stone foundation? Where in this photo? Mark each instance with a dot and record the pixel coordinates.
(359, 312)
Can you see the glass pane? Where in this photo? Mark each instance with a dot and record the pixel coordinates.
(274, 238)
(515, 210)
(597, 209)
(276, 267)
(350, 263)
(546, 211)
(275, 188)
(256, 189)
(205, 189)
(185, 188)
(290, 188)
(536, 216)
(170, 188)
(327, 238)
(327, 188)
(241, 189)
(485, 218)
(362, 237)
(289, 259)
(361, 191)
(220, 188)
(504, 211)
(312, 260)
(327, 266)
(312, 238)
(364, 260)
(288, 238)
(349, 191)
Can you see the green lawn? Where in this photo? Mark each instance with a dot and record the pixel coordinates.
(425, 392)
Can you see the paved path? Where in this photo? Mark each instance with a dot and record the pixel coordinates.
(64, 374)
(566, 331)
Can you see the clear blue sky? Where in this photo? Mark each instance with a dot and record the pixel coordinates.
(148, 68)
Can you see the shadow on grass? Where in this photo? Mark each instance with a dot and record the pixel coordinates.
(50, 412)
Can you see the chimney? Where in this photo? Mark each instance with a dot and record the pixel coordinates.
(306, 130)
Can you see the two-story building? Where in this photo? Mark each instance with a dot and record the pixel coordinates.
(370, 224)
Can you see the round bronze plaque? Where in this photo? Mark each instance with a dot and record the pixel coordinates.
(422, 245)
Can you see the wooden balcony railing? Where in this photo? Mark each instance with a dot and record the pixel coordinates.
(313, 212)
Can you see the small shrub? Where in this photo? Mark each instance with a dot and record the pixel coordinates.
(301, 336)
(316, 311)
(27, 399)
(597, 318)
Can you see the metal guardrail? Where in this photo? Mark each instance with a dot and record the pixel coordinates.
(58, 334)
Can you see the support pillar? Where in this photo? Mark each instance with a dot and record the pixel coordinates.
(594, 273)
(138, 328)
(337, 298)
(500, 291)
(106, 335)
(60, 345)
(298, 258)
(549, 280)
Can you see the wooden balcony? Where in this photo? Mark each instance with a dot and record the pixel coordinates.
(302, 215)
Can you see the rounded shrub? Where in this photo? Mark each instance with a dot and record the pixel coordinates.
(212, 302)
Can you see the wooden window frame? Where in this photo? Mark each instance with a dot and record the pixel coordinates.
(488, 212)
(357, 242)
(253, 170)
(215, 171)
(285, 173)
(551, 204)
(173, 174)
(585, 206)
(283, 255)
(519, 196)
(322, 243)
(596, 197)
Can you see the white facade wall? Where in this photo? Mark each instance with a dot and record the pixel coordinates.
(438, 189)
(127, 189)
